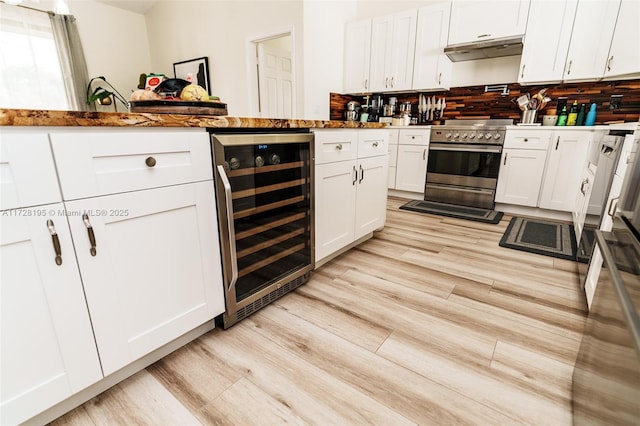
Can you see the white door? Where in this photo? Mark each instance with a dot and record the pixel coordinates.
(276, 82)
(411, 171)
(546, 45)
(335, 193)
(400, 65)
(432, 68)
(371, 195)
(156, 272)
(357, 53)
(520, 176)
(624, 57)
(48, 350)
(565, 164)
(381, 54)
(589, 47)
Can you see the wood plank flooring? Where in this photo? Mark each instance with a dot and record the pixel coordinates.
(429, 322)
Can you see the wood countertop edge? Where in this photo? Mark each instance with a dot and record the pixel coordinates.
(24, 117)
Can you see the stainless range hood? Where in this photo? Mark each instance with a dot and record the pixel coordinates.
(496, 48)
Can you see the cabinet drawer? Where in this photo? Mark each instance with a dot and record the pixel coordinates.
(335, 145)
(527, 139)
(27, 172)
(372, 143)
(92, 163)
(413, 137)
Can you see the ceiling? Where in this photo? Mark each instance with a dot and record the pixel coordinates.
(137, 6)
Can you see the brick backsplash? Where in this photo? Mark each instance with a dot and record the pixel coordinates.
(472, 101)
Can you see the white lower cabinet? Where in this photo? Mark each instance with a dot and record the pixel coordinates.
(520, 176)
(565, 163)
(48, 350)
(350, 195)
(156, 257)
(411, 172)
(92, 284)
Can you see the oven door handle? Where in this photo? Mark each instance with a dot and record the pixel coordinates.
(232, 233)
(461, 147)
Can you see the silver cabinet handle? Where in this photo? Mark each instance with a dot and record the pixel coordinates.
(557, 142)
(366, 83)
(609, 63)
(339, 147)
(150, 162)
(584, 183)
(92, 236)
(354, 179)
(506, 154)
(56, 242)
(386, 82)
(392, 81)
(232, 233)
(613, 206)
(439, 78)
(522, 73)
(484, 35)
(375, 144)
(424, 154)
(569, 69)
(361, 174)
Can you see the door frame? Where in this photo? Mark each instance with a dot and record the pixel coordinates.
(252, 67)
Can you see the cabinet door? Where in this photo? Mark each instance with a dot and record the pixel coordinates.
(371, 195)
(431, 67)
(546, 45)
(48, 350)
(624, 57)
(400, 64)
(476, 20)
(520, 176)
(564, 168)
(411, 171)
(156, 273)
(579, 213)
(381, 52)
(335, 194)
(357, 53)
(27, 173)
(589, 47)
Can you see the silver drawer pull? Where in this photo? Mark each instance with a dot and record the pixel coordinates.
(375, 144)
(339, 147)
(150, 162)
(56, 242)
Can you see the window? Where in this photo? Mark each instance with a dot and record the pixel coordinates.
(30, 76)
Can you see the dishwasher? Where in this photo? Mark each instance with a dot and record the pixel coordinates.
(264, 196)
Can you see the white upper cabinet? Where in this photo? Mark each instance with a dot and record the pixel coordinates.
(357, 53)
(591, 36)
(393, 40)
(475, 20)
(624, 55)
(432, 68)
(546, 45)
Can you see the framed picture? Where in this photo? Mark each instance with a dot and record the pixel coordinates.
(195, 71)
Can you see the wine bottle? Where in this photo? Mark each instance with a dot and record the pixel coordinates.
(573, 114)
(562, 118)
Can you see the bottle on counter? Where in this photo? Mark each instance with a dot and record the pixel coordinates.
(562, 118)
(591, 116)
(573, 114)
(582, 112)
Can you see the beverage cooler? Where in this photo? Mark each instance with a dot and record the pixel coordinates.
(264, 192)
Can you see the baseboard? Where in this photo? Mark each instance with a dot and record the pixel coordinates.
(332, 256)
(113, 379)
(534, 212)
(406, 194)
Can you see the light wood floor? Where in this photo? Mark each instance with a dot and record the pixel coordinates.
(430, 322)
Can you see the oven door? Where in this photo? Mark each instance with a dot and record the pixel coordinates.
(464, 174)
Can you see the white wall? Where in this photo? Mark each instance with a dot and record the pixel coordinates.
(115, 44)
(221, 30)
(324, 23)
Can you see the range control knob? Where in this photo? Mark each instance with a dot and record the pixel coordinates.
(480, 136)
(448, 135)
(456, 136)
(487, 136)
(497, 136)
(472, 136)
(464, 136)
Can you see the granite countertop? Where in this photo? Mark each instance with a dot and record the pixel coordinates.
(25, 117)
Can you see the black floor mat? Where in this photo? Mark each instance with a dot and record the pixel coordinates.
(451, 210)
(555, 239)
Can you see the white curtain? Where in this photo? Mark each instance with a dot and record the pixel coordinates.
(42, 65)
(72, 61)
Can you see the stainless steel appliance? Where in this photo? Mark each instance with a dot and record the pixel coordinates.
(606, 377)
(264, 189)
(352, 111)
(464, 160)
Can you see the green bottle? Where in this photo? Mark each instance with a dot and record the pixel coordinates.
(573, 114)
(562, 118)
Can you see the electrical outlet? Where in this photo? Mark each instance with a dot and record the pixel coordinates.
(615, 102)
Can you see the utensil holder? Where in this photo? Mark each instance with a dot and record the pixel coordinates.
(529, 116)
